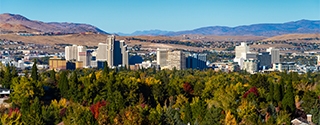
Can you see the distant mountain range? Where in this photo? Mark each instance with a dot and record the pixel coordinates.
(147, 32)
(19, 23)
(268, 30)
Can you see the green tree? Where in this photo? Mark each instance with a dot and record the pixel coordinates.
(187, 113)
(6, 81)
(63, 84)
(34, 71)
(53, 75)
(213, 116)
(33, 115)
(288, 101)
(106, 69)
(277, 93)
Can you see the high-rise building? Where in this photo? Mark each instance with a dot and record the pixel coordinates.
(196, 61)
(275, 55)
(162, 55)
(85, 58)
(80, 49)
(241, 53)
(71, 52)
(250, 66)
(114, 52)
(101, 53)
(124, 53)
(318, 60)
(176, 59)
(264, 60)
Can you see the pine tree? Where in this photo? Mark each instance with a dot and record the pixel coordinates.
(34, 71)
(106, 69)
(187, 113)
(33, 116)
(7, 77)
(93, 77)
(63, 84)
(288, 101)
(271, 93)
(53, 75)
(277, 93)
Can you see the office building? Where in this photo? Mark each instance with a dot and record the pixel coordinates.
(113, 51)
(241, 53)
(85, 58)
(264, 60)
(56, 63)
(101, 53)
(285, 66)
(250, 66)
(71, 52)
(162, 56)
(176, 59)
(196, 61)
(275, 55)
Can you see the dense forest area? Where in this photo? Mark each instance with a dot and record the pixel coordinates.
(147, 96)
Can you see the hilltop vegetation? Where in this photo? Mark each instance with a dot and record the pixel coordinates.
(148, 96)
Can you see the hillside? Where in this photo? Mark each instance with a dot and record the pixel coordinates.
(28, 25)
(293, 37)
(266, 30)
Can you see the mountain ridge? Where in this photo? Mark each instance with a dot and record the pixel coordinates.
(34, 25)
(261, 29)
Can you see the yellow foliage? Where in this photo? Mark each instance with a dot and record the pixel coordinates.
(13, 119)
(229, 119)
(62, 103)
(151, 81)
(246, 109)
(98, 74)
(181, 100)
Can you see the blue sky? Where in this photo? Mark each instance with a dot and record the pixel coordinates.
(173, 15)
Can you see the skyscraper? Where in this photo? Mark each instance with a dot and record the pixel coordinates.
(114, 52)
(176, 59)
(196, 61)
(162, 55)
(241, 53)
(275, 55)
(71, 52)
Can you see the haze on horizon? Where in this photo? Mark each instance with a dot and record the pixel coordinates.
(127, 16)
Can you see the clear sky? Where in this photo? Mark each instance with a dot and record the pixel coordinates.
(127, 16)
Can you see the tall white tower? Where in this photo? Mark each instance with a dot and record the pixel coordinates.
(241, 52)
(275, 55)
(71, 52)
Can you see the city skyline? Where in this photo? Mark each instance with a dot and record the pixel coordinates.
(129, 16)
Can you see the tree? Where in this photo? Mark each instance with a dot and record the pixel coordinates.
(34, 71)
(277, 93)
(230, 119)
(288, 101)
(187, 113)
(213, 116)
(7, 77)
(106, 69)
(271, 93)
(93, 77)
(53, 75)
(63, 84)
(33, 115)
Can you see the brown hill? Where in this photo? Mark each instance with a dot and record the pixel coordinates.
(15, 19)
(6, 27)
(315, 38)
